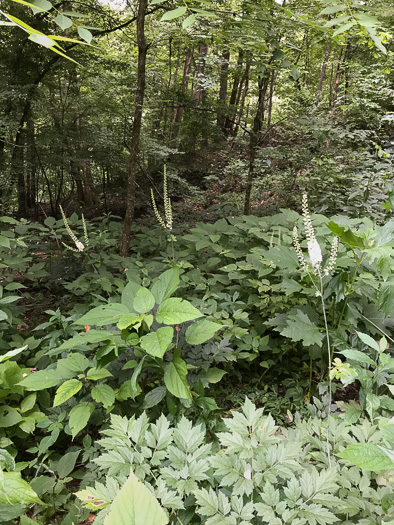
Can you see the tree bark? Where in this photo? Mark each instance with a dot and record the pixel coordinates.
(185, 80)
(221, 117)
(323, 70)
(198, 92)
(136, 130)
(234, 91)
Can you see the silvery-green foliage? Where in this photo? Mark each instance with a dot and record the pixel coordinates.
(253, 473)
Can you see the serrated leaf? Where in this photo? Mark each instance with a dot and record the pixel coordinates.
(41, 380)
(214, 375)
(330, 10)
(144, 301)
(15, 490)
(207, 501)
(135, 505)
(103, 394)
(300, 328)
(166, 284)
(66, 390)
(100, 373)
(157, 343)
(103, 315)
(154, 397)
(66, 463)
(176, 311)
(367, 456)
(341, 29)
(175, 378)
(201, 331)
(189, 21)
(346, 235)
(174, 13)
(79, 417)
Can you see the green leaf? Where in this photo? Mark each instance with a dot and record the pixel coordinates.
(144, 301)
(342, 29)
(66, 390)
(214, 375)
(135, 505)
(284, 257)
(15, 490)
(376, 39)
(40, 5)
(166, 284)
(174, 13)
(346, 235)
(157, 343)
(41, 380)
(300, 328)
(189, 21)
(135, 388)
(367, 456)
(4, 241)
(103, 394)
(207, 403)
(366, 20)
(66, 463)
(85, 34)
(176, 311)
(100, 373)
(79, 417)
(103, 315)
(337, 21)
(330, 10)
(129, 293)
(175, 377)
(63, 21)
(201, 331)
(207, 501)
(367, 339)
(76, 362)
(12, 353)
(9, 416)
(75, 14)
(42, 40)
(28, 402)
(154, 397)
(356, 355)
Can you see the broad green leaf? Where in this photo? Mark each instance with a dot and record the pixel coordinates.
(201, 331)
(15, 490)
(129, 293)
(366, 20)
(41, 380)
(4, 241)
(135, 505)
(41, 39)
(207, 501)
(84, 338)
(66, 463)
(176, 311)
(103, 315)
(166, 284)
(12, 353)
(144, 301)
(100, 373)
(40, 5)
(157, 343)
(300, 328)
(356, 355)
(341, 29)
(330, 10)
(7, 462)
(214, 375)
(154, 397)
(337, 21)
(66, 390)
(103, 394)
(175, 378)
(376, 39)
(28, 402)
(63, 21)
(9, 416)
(347, 235)
(284, 257)
(76, 362)
(130, 320)
(189, 21)
(174, 13)
(367, 456)
(79, 417)
(367, 339)
(85, 34)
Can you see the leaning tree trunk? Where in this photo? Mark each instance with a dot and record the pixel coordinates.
(224, 67)
(136, 130)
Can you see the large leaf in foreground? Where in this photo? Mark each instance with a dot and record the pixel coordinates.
(103, 315)
(176, 311)
(368, 456)
(135, 505)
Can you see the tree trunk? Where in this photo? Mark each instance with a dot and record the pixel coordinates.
(340, 69)
(185, 80)
(221, 118)
(254, 140)
(136, 130)
(198, 92)
(244, 95)
(234, 91)
(323, 71)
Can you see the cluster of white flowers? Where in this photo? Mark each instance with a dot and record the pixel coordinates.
(314, 250)
(165, 223)
(79, 246)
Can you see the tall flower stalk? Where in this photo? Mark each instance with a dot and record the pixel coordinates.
(317, 273)
(166, 221)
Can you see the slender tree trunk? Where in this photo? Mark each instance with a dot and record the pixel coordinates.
(323, 71)
(234, 91)
(340, 69)
(31, 165)
(136, 130)
(185, 80)
(254, 140)
(198, 92)
(221, 118)
(242, 105)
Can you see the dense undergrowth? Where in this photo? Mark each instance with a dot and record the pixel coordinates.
(156, 363)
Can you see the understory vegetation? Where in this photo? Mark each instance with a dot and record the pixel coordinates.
(196, 262)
